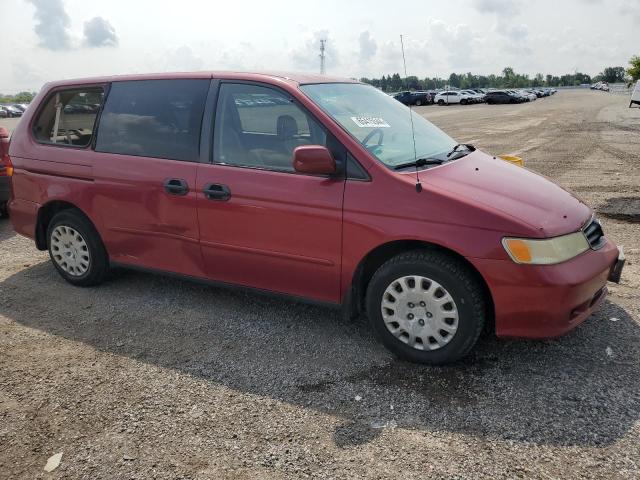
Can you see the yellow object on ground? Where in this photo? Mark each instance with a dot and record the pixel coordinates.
(513, 159)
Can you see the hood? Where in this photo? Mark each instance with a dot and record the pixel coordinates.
(516, 192)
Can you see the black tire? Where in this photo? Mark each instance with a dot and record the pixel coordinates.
(418, 103)
(441, 102)
(454, 276)
(463, 101)
(98, 267)
(4, 212)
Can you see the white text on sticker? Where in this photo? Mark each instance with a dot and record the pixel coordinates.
(370, 122)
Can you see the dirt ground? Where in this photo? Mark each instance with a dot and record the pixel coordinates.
(153, 377)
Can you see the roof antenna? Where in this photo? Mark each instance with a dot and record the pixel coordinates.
(413, 132)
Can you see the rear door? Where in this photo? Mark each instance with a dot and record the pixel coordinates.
(147, 152)
(262, 224)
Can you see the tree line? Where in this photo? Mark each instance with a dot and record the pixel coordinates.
(508, 79)
(22, 97)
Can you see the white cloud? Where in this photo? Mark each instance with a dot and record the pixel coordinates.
(505, 8)
(516, 37)
(368, 46)
(631, 9)
(457, 42)
(31, 76)
(98, 32)
(181, 59)
(52, 24)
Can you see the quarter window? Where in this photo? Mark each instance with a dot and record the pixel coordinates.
(154, 118)
(260, 127)
(68, 117)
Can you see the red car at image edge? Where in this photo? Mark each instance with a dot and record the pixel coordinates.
(321, 189)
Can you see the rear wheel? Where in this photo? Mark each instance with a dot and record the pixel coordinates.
(463, 101)
(76, 249)
(426, 307)
(418, 103)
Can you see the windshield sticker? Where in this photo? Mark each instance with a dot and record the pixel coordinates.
(370, 122)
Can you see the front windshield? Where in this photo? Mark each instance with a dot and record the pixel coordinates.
(379, 122)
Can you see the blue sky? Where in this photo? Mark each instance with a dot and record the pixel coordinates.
(53, 39)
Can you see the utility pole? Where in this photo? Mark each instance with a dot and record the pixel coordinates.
(322, 69)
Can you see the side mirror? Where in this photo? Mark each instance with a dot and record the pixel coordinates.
(314, 160)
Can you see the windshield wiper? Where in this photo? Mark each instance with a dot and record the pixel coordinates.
(455, 149)
(421, 162)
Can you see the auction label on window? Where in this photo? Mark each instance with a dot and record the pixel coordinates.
(370, 122)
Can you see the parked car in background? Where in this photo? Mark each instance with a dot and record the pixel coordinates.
(474, 96)
(423, 97)
(14, 111)
(635, 95)
(450, 97)
(529, 94)
(414, 98)
(3, 113)
(520, 95)
(503, 96)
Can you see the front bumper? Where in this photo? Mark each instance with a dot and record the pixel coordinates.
(545, 301)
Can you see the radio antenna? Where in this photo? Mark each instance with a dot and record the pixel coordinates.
(413, 131)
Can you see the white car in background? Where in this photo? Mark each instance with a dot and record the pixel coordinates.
(475, 96)
(449, 97)
(529, 94)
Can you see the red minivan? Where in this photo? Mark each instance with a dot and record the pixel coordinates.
(317, 188)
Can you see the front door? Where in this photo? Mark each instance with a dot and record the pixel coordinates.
(262, 224)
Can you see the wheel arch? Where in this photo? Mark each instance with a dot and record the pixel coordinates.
(380, 254)
(45, 213)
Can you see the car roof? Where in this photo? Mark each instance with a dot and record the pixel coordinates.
(268, 77)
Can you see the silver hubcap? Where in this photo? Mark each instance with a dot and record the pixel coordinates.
(70, 251)
(420, 312)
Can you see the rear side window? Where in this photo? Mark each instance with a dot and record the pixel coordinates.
(68, 117)
(153, 118)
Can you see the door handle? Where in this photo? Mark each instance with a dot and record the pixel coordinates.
(216, 191)
(176, 186)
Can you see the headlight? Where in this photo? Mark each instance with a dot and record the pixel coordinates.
(547, 251)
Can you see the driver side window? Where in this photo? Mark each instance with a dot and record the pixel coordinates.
(259, 127)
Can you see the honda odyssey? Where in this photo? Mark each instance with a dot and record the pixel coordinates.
(317, 188)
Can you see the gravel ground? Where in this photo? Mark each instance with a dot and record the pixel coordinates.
(153, 377)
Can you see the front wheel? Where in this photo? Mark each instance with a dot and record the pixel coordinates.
(426, 307)
(441, 102)
(418, 103)
(76, 249)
